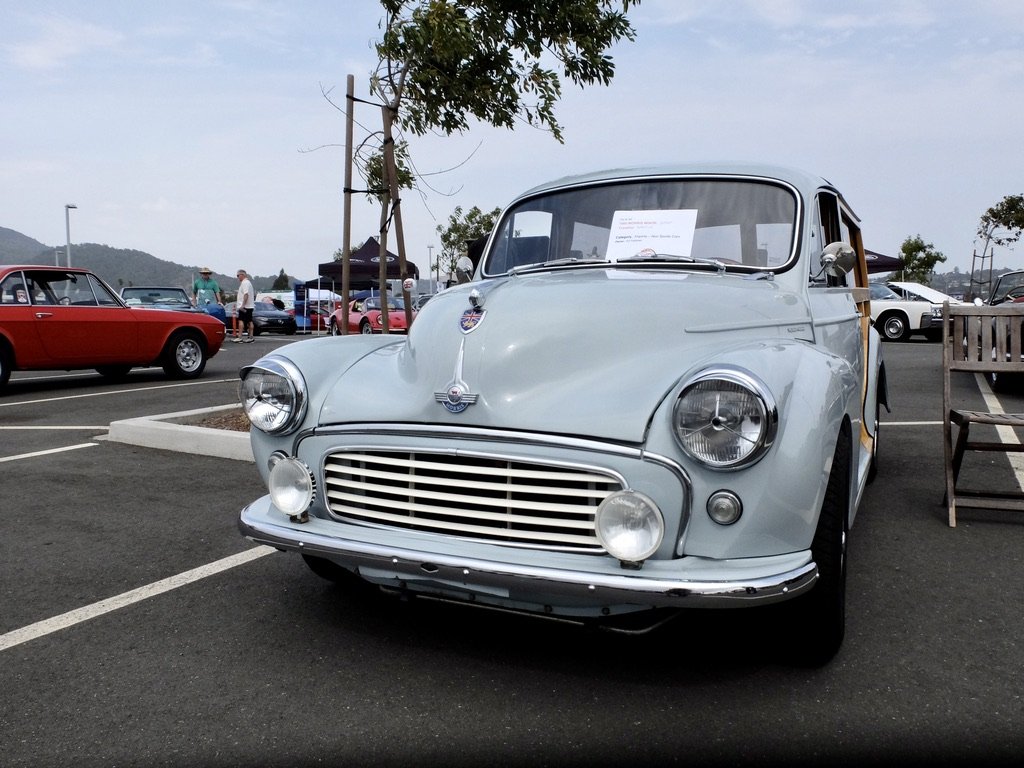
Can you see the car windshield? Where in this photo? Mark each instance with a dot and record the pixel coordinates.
(1010, 282)
(881, 292)
(162, 297)
(393, 304)
(735, 223)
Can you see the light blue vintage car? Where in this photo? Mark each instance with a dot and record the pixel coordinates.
(661, 390)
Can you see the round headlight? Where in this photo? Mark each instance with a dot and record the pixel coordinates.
(291, 486)
(725, 418)
(273, 395)
(629, 526)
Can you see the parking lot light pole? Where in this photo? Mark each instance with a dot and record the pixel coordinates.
(67, 227)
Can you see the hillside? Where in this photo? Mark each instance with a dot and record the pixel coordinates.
(119, 267)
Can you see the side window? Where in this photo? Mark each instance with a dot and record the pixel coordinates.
(103, 296)
(13, 291)
(39, 287)
(828, 228)
(524, 239)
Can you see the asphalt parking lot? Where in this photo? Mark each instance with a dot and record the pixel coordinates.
(137, 627)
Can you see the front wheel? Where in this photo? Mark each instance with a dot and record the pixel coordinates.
(1005, 383)
(365, 327)
(873, 469)
(6, 363)
(333, 327)
(819, 617)
(113, 372)
(184, 356)
(894, 327)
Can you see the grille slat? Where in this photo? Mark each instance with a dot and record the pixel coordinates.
(374, 490)
(584, 522)
(498, 500)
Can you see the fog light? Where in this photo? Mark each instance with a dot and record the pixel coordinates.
(629, 526)
(724, 507)
(291, 486)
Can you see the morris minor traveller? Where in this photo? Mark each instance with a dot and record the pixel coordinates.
(661, 390)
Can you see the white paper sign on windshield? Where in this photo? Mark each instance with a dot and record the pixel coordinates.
(636, 232)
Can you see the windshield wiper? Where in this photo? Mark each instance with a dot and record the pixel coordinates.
(574, 260)
(568, 260)
(667, 257)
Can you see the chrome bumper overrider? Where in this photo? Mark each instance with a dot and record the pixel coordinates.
(520, 581)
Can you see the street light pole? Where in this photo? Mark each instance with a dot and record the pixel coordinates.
(431, 265)
(67, 227)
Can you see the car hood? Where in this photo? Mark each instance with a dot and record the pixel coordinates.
(591, 352)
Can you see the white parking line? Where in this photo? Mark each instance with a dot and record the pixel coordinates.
(91, 428)
(119, 392)
(46, 452)
(1006, 434)
(77, 616)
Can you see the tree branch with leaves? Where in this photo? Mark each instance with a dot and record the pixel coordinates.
(462, 229)
(443, 62)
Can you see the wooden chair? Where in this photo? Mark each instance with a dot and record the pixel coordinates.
(979, 340)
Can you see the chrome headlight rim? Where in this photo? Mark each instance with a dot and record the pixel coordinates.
(297, 393)
(291, 484)
(653, 528)
(769, 416)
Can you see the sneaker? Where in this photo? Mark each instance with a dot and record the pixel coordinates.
(250, 340)
(236, 340)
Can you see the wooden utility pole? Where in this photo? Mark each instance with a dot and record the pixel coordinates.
(346, 235)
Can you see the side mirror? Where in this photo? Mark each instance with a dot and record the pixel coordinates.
(464, 269)
(838, 259)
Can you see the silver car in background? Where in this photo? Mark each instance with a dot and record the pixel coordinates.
(661, 390)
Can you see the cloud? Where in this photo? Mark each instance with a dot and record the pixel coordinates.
(59, 40)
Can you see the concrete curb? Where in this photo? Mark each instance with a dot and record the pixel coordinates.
(176, 432)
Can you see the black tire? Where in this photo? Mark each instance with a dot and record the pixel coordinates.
(326, 569)
(1005, 383)
(873, 468)
(184, 356)
(6, 362)
(113, 372)
(332, 326)
(893, 326)
(819, 617)
(365, 328)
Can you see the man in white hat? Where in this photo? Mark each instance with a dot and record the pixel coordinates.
(205, 290)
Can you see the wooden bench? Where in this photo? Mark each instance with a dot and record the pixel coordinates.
(979, 340)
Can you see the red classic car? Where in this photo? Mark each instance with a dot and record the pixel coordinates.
(52, 318)
(364, 316)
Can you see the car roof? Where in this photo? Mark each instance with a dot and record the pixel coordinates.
(43, 267)
(802, 180)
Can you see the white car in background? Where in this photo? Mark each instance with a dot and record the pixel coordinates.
(896, 318)
(919, 292)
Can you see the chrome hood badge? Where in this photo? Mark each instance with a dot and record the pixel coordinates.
(470, 319)
(456, 397)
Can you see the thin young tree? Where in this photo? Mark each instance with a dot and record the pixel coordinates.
(445, 62)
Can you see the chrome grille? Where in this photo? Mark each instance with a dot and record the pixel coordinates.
(481, 497)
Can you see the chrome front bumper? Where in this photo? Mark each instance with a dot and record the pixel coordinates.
(760, 581)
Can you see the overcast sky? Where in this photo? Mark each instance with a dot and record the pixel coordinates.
(196, 130)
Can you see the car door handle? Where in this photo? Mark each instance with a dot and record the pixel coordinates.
(41, 315)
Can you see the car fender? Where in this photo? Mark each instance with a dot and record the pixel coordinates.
(323, 361)
(815, 392)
